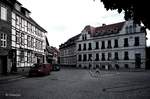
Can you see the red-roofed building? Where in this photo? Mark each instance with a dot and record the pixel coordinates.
(114, 46)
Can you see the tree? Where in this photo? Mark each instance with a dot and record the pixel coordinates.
(133, 9)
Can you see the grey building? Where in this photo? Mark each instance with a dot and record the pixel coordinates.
(5, 34)
(68, 52)
(114, 46)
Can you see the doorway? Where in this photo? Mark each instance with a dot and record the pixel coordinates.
(3, 64)
(137, 60)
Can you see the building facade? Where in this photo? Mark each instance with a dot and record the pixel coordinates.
(26, 39)
(68, 52)
(115, 46)
(55, 54)
(5, 34)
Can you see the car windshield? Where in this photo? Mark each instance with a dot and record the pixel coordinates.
(36, 65)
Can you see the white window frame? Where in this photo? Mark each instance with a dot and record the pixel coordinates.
(3, 13)
(18, 37)
(3, 40)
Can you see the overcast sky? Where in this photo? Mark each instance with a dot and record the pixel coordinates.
(64, 19)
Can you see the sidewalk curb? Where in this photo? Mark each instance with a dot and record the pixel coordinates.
(13, 78)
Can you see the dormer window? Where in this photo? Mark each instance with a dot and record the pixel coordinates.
(84, 37)
(130, 29)
(27, 14)
(134, 27)
(127, 30)
(25, 11)
(18, 7)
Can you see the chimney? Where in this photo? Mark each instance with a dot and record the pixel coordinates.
(103, 24)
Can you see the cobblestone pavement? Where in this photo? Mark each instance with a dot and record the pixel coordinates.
(80, 84)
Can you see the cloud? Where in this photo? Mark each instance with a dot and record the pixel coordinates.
(66, 18)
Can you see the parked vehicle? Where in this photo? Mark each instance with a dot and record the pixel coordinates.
(55, 67)
(40, 69)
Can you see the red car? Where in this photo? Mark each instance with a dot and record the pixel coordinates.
(40, 69)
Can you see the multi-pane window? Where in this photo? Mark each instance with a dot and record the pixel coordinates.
(29, 57)
(126, 42)
(13, 19)
(32, 28)
(109, 56)
(18, 37)
(3, 13)
(22, 38)
(90, 46)
(103, 56)
(29, 41)
(97, 45)
(22, 24)
(130, 29)
(109, 44)
(116, 43)
(25, 25)
(84, 46)
(97, 57)
(116, 56)
(22, 56)
(79, 47)
(36, 44)
(136, 41)
(103, 45)
(32, 42)
(36, 31)
(29, 27)
(41, 45)
(17, 20)
(126, 56)
(3, 40)
(90, 57)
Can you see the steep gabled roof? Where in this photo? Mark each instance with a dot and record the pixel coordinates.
(69, 42)
(37, 24)
(73, 38)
